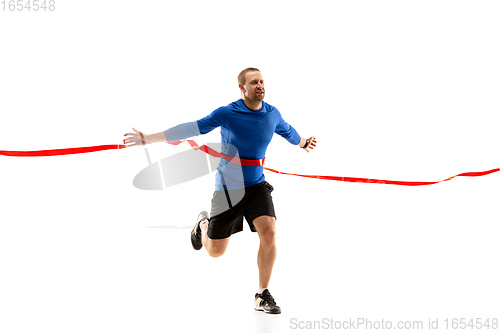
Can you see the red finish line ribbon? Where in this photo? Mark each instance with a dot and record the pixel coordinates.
(215, 153)
(390, 182)
(236, 160)
(57, 152)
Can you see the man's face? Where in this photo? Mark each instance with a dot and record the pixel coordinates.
(254, 86)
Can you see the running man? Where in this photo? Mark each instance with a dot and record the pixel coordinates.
(241, 191)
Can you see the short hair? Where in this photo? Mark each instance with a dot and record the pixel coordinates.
(242, 76)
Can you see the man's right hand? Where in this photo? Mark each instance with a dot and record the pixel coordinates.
(134, 139)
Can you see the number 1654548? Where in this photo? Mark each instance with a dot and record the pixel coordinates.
(28, 5)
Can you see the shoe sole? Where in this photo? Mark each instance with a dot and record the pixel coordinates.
(268, 312)
(202, 216)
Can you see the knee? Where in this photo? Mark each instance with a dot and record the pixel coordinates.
(215, 253)
(216, 248)
(268, 237)
(267, 231)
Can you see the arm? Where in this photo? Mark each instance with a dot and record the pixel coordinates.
(179, 132)
(289, 133)
(154, 138)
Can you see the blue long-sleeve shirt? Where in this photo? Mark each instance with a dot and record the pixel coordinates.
(244, 133)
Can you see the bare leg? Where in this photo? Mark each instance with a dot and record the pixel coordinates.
(266, 257)
(215, 247)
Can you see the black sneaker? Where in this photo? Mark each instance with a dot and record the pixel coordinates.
(265, 302)
(196, 232)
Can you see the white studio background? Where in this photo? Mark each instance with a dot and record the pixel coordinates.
(398, 90)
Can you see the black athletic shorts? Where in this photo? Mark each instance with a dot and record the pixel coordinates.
(230, 206)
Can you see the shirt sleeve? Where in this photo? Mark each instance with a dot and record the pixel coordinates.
(212, 121)
(287, 131)
(182, 131)
(195, 128)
